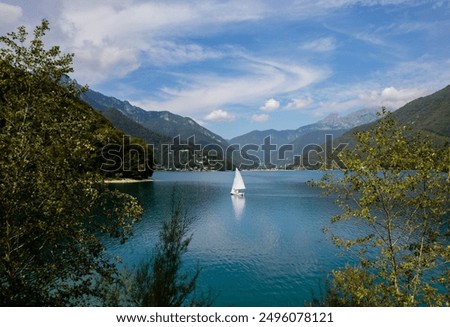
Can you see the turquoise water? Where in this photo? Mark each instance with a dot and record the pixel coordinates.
(266, 249)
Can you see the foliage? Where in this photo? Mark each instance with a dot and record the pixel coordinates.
(396, 191)
(160, 281)
(53, 203)
(126, 157)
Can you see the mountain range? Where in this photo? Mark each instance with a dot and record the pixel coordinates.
(334, 124)
(162, 123)
(430, 114)
(162, 130)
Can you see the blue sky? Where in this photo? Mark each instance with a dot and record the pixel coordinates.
(238, 65)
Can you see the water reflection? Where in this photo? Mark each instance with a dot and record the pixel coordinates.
(267, 251)
(238, 206)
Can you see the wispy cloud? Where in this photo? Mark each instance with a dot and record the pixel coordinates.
(222, 59)
(106, 20)
(9, 13)
(141, 32)
(99, 63)
(308, 9)
(165, 53)
(325, 44)
(253, 82)
(144, 32)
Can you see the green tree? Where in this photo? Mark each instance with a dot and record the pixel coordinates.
(126, 157)
(53, 205)
(396, 189)
(159, 281)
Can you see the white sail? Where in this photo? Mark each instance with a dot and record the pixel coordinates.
(238, 183)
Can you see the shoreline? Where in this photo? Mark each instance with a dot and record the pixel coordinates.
(127, 181)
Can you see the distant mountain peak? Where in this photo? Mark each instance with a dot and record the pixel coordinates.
(332, 119)
(337, 121)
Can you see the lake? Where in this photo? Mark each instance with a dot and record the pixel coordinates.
(266, 249)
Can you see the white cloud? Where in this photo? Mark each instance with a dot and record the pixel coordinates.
(270, 105)
(113, 38)
(139, 32)
(145, 32)
(96, 64)
(391, 97)
(219, 115)
(325, 44)
(299, 103)
(260, 118)
(345, 98)
(9, 13)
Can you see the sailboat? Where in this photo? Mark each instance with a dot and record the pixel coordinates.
(238, 184)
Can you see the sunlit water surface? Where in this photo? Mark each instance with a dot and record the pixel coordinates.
(266, 249)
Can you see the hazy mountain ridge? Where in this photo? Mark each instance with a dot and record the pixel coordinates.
(333, 122)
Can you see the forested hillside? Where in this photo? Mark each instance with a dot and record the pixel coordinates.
(429, 115)
(54, 204)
